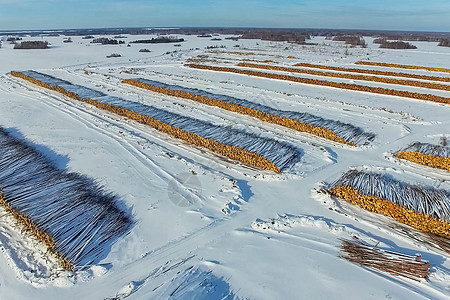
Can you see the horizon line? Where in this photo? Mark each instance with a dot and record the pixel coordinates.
(216, 27)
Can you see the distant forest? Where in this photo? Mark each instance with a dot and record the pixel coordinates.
(106, 41)
(384, 43)
(353, 40)
(444, 43)
(386, 39)
(158, 40)
(292, 37)
(31, 45)
(397, 45)
(410, 36)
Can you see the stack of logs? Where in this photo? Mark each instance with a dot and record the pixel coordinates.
(422, 84)
(232, 52)
(374, 72)
(426, 160)
(266, 117)
(45, 85)
(28, 225)
(347, 86)
(406, 216)
(410, 67)
(266, 61)
(233, 152)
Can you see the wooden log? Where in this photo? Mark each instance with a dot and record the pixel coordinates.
(415, 83)
(406, 216)
(270, 118)
(374, 72)
(433, 161)
(233, 152)
(410, 67)
(30, 227)
(339, 85)
(386, 261)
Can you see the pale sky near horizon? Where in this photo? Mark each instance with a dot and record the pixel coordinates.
(432, 15)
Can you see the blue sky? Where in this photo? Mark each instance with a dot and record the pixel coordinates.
(432, 15)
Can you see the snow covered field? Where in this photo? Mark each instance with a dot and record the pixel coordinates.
(208, 227)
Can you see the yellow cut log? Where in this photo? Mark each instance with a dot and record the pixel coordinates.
(339, 85)
(270, 118)
(233, 152)
(425, 159)
(410, 67)
(28, 225)
(402, 214)
(374, 72)
(415, 83)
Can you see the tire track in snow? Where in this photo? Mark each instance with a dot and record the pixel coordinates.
(90, 113)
